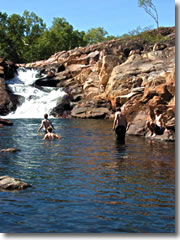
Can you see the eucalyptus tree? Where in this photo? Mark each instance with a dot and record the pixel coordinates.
(150, 9)
(34, 28)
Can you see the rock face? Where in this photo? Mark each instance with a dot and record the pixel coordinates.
(11, 184)
(131, 73)
(8, 101)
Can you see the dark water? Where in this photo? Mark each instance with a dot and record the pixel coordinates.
(86, 182)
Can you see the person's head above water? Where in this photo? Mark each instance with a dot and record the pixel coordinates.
(46, 116)
(49, 129)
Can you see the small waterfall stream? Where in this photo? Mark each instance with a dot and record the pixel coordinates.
(35, 101)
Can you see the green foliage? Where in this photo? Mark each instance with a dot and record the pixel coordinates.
(95, 35)
(26, 39)
(151, 37)
(146, 35)
(19, 34)
(63, 37)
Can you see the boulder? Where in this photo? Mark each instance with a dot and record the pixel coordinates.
(138, 125)
(11, 184)
(90, 112)
(5, 122)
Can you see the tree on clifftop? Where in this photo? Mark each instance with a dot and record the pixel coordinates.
(150, 9)
(95, 35)
(63, 36)
(18, 35)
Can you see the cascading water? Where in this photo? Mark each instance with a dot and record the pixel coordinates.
(36, 101)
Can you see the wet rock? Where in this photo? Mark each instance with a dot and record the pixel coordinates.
(11, 184)
(46, 82)
(5, 122)
(168, 135)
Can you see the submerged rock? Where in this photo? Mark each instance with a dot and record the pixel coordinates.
(10, 183)
(10, 150)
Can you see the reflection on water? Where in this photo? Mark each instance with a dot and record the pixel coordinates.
(87, 181)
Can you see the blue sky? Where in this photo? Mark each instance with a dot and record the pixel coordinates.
(117, 17)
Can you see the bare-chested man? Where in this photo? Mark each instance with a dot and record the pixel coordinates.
(120, 124)
(45, 124)
(49, 135)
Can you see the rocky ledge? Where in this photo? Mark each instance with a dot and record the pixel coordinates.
(131, 73)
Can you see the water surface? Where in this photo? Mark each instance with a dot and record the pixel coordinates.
(86, 182)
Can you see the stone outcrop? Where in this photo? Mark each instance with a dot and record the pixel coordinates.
(8, 101)
(131, 73)
(5, 122)
(12, 184)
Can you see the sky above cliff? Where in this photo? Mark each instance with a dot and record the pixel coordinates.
(117, 17)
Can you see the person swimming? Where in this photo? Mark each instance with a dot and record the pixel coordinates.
(51, 136)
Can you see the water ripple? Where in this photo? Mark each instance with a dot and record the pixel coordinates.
(86, 182)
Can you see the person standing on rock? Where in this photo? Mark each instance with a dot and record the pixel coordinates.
(120, 124)
(157, 126)
(45, 124)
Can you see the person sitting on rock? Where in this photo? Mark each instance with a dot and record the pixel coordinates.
(157, 126)
(49, 135)
(45, 124)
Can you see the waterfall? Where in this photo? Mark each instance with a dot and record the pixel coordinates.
(35, 101)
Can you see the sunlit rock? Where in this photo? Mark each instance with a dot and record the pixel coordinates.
(132, 73)
(12, 184)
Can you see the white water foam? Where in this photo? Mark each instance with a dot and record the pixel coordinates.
(37, 101)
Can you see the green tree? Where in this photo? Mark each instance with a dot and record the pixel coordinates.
(95, 35)
(150, 9)
(111, 37)
(19, 35)
(77, 39)
(63, 37)
(34, 28)
(3, 37)
(14, 37)
(44, 46)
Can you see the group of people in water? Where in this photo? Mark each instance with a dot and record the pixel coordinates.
(47, 125)
(120, 125)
